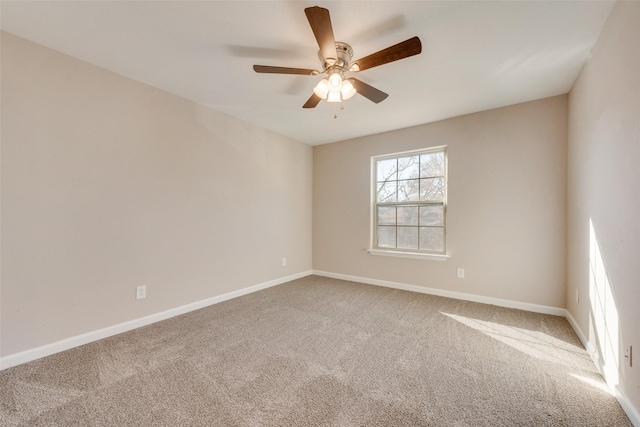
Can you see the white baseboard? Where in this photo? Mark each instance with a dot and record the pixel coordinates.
(627, 406)
(632, 412)
(78, 340)
(556, 311)
(72, 342)
(578, 331)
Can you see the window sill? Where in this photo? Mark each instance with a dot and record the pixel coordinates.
(414, 255)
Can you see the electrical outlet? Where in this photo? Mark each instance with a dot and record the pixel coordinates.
(284, 262)
(577, 296)
(460, 273)
(141, 292)
(628, 354)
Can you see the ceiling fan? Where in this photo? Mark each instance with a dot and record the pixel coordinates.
(335, 58)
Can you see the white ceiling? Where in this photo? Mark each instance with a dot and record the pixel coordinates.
(475, 55)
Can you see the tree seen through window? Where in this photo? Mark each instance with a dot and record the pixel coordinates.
(410, 201)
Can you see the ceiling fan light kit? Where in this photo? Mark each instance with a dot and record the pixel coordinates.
(335, 89)
(347, 90)
(335, 58)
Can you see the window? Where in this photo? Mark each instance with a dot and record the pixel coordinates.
(409, 206)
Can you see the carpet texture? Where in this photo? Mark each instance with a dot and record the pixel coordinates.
(322, 352)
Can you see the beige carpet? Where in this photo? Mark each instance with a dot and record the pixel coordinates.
(320, 351)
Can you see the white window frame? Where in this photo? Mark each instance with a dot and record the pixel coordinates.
(406, 253)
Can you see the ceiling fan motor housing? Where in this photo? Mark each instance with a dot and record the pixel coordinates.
(344, 53)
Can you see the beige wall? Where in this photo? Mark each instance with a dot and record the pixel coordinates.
(506, 204)
(604, 195)
(108, 184)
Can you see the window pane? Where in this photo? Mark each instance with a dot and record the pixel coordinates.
(386, 170)
(432, 189)
(432, 215)
(387, 191)
(432, 239)
(407, 215)
(409, 201)
(408, 237)
(432, 165)
(408, 191)
(409, 167)
(386, 215)
(386, 237)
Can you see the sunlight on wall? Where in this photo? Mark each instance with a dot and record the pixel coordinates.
(603, 318)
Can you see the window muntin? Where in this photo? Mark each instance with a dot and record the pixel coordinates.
(410, 201)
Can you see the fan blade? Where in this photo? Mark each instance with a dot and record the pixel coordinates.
(320, 22)
(283, 70)
(369, 92)
(312, 101)
(402, 50)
